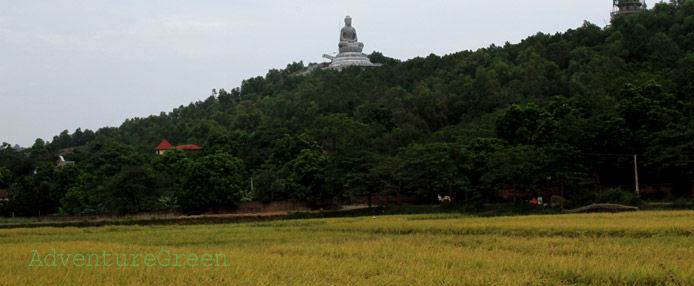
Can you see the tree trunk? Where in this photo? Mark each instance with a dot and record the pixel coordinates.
(137, 205)
(369, 197)
(399, 192)
(514, 194)
(561, 204)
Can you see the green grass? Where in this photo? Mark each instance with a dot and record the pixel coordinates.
(639, 248)
(19, 220)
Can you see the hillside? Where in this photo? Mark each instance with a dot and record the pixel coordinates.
(569, 109)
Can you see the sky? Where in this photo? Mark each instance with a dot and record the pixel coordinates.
(93, 63)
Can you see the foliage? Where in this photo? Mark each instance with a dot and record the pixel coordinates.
(214, 181)
(573, 107)
(618, 196)
(5, 177)
(132, 190)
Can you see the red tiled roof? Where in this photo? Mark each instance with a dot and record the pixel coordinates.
(188, 147)
(164, 145)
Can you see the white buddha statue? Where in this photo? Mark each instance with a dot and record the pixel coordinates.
(348, 38)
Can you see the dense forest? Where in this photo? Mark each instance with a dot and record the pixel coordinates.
(570, 109)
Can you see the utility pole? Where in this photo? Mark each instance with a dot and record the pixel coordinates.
(561, 204)
(636, 176)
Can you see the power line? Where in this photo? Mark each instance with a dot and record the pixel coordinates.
(613, 155)
(624, 155)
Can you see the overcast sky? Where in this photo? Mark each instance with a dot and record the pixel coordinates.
(93, 63)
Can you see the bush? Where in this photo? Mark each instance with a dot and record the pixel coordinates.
(5, 209)
(470, 206)
(580, 198)
(556, 201)
(617, 196)
(682, 203)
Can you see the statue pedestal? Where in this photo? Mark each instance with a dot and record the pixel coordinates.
(347, 59)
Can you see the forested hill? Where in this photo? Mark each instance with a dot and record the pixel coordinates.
(574, 107)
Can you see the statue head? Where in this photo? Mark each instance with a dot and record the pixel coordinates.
(348, 21)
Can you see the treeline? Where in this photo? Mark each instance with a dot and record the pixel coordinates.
(567, 109)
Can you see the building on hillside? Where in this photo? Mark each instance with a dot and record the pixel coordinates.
(188, 147)
(62, 163)
(627, 7)
(4, 196)
(165, 146)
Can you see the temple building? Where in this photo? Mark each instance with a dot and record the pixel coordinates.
(165, 146)
(627, 7)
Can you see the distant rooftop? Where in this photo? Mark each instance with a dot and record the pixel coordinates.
(188, 147)
(165, 145)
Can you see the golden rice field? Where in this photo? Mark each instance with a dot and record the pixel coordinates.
(641, 248)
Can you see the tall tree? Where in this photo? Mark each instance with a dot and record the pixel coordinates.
(212, 182)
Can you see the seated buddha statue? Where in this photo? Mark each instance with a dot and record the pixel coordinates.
(348, 38)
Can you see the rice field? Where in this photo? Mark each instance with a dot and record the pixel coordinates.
(639, 248)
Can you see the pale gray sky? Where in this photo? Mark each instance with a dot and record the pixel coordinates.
(93, 63)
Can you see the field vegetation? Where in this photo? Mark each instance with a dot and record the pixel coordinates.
(640, 248)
